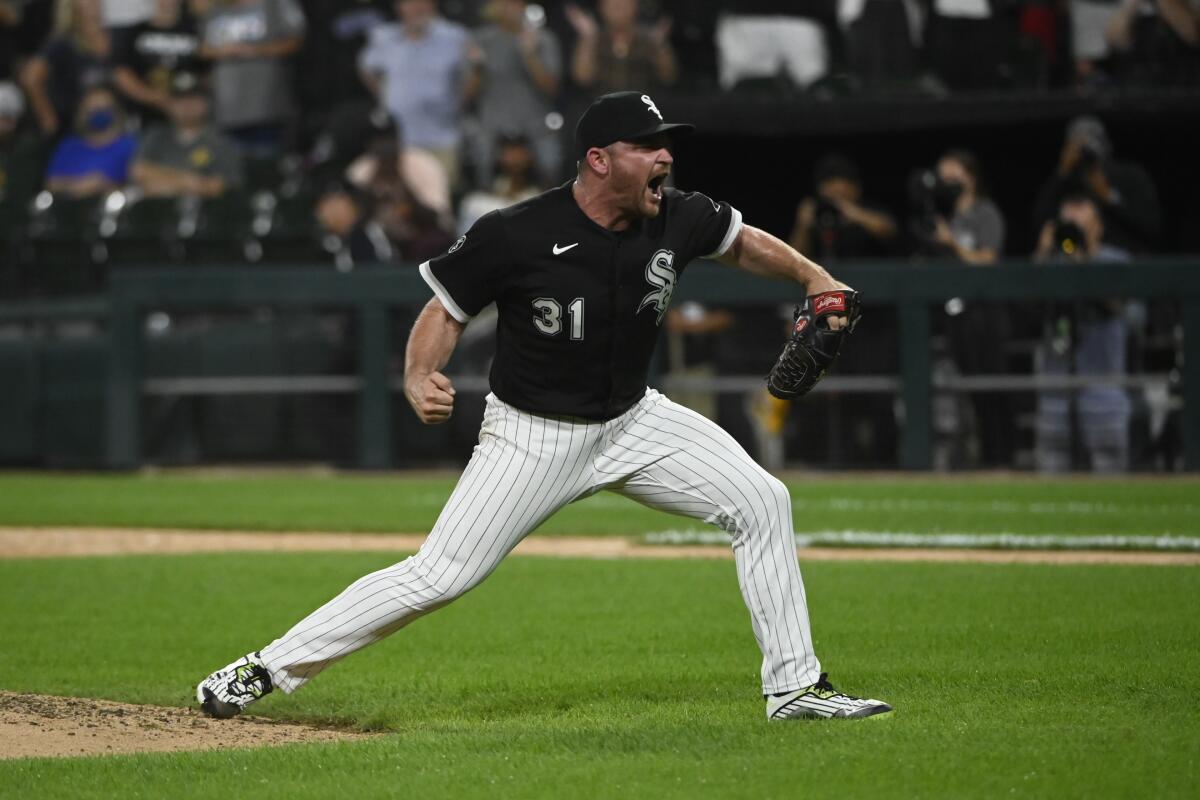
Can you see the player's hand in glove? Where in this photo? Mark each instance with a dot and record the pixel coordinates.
(821, 323)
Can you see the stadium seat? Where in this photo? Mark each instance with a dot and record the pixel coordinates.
(59, 248)
(141, 231)
(283, 227)
(214, 231)
(262, 174)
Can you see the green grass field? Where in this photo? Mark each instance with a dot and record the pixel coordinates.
(628, 678)
(394, 503)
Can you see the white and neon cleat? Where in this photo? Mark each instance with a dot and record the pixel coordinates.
(822, 701)
(227, 692)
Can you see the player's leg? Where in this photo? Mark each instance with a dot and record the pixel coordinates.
(671, 458)
(523, 470)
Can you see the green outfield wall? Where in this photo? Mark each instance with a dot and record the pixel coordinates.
(78, 375)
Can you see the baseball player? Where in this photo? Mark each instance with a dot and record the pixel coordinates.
(582, 276)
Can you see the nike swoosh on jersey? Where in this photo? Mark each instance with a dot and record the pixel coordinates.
(558, 251)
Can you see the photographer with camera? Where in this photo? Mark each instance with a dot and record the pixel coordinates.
(959, 221)
(1083, 338)
(1122, 191)
(836, 223)
(956, 221)
(833, 224)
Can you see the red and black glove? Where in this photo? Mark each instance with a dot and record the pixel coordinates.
(813, 345)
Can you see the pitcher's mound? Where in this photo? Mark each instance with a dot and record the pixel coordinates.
(33, 725)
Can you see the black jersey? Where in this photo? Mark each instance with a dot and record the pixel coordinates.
(157, 54)
(580, 307)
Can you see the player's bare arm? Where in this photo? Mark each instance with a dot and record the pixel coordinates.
(433, 338)
(757, 251)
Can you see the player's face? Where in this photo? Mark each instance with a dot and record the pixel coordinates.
(639, 170)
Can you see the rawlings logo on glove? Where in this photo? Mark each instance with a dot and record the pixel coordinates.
(813, 345)
(829, 301)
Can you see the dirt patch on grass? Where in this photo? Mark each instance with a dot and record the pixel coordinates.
(56, 542)
(36, 725)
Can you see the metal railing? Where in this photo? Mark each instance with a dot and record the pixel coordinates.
(371, 294)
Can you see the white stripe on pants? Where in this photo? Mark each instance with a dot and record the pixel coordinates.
(524, 469)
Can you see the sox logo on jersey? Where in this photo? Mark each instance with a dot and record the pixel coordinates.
(661, 274)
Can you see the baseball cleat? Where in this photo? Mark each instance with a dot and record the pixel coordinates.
(228, 691)
(822, 701)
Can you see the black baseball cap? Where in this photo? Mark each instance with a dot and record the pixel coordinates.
(621, 117)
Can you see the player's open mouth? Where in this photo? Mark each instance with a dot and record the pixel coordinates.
(655, 185)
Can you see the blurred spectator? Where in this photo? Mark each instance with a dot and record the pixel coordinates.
(187, 156)
(882, 37)
(73, 61)
(415, 68)
(351, 234)
(973, 233)
(96, 159)
(1086, 338)
(1089, 41)
(25, 26)
(147, 56)
(397, 180)
(769, 41)
(327, 64)
(837, 223)
(515, 71)
(1156, 41)
(249, 42)
(11, 15)
(515, 180)
(692, 329)
(20, 156)
(617, 53)
(413, 228)
(1123, 191)
(970, 227)
(966, 44)
(387, 163)
(121, 16)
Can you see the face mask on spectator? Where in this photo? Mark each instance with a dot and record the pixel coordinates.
(946, 195)
(99, 119)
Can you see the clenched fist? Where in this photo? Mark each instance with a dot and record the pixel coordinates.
(431, 396)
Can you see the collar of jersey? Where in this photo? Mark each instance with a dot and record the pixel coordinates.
(629, 233)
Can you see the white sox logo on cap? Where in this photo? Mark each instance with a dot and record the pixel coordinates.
(650, 105)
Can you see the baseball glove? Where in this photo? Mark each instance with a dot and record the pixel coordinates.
(813, 346)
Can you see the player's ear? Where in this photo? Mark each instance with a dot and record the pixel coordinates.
(599, 160)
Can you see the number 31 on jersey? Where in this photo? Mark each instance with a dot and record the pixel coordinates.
(547, 317)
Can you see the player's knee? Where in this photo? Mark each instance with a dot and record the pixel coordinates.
(435, 582)
(779, 496)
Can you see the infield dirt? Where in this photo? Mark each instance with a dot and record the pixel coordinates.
(58, 542)
(34, 725)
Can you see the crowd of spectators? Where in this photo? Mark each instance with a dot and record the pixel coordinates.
(374, 131)
(204, 98)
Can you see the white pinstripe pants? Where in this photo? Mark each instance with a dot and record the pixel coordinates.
(524, 469)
